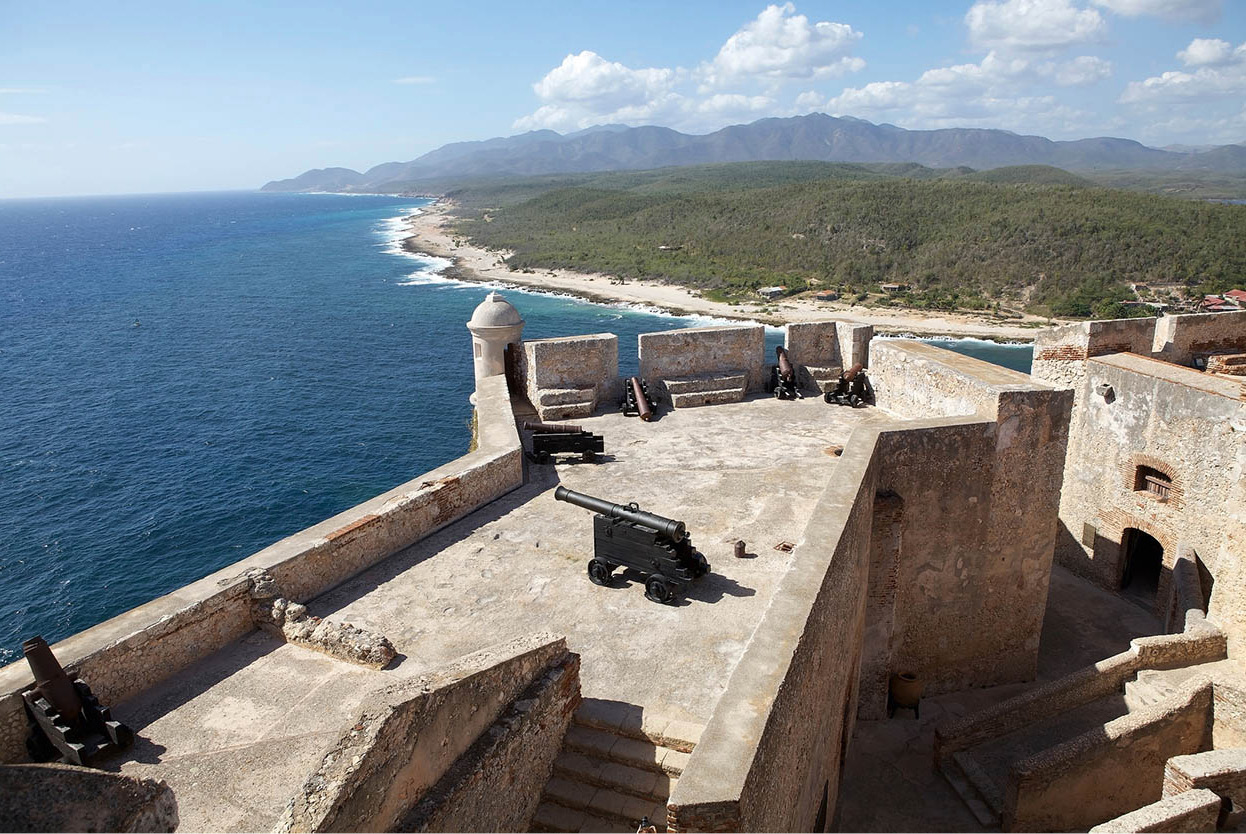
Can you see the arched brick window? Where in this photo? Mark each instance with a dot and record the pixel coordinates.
(1154, 481)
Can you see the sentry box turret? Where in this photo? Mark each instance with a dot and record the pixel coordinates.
(625, 535)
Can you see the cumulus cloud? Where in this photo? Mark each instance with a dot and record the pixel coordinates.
(1200, 10)
(1221, 73)
(1210, 52)
(780, 45)
(742, 82)
(995, 92)
(1079, 72)
(1032, 25)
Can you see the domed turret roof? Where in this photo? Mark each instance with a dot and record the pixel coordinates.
(495, 311)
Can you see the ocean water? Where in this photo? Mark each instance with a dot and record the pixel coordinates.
(188, 378)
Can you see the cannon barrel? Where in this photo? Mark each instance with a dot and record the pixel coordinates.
(852, 372)
(786, 371)
(51, 680)
(643, 409)
(550, 428)
(671, 529)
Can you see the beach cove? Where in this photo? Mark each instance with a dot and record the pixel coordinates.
(431, 234)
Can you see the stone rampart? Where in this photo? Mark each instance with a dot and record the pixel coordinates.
(1222, 771)
(822, 349)
(768, 760)
(132, 651)
(702, 351)
(1109, 771)
(569, 377)
(1185, 339)
(1196, 810)
(423, 741)
(977, 503)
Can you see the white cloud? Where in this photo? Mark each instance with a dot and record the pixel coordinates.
(1200, 10)
(18, 119)
(996, 92)
(1221, 73)
(589, 78)
(780, 45)
(415, 79)
(742, 82)
(1032, 25)
(1210, 52)
(1079, 72)
(19, 90)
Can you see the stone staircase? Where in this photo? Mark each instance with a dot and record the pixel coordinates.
(618, 764)
(1154, 685)
(565, 403)
(980, 774)
(707, 389)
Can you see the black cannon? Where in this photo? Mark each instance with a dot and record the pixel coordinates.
(69, 722)
(624, 534)
(853, 388)
(636, 399)
(549, 439)
(783, 382)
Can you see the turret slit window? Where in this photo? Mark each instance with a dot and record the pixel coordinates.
(1151, 480)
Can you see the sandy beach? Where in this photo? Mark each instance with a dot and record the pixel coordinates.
(430, 235)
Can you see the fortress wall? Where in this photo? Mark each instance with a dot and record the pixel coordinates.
(814, 343)
(977, 529)
(695, 351)
(468, 748)
(130, 652)
(554, 370)
(1189, 426)
(1181, 339)
(770, 756)
(966, 613)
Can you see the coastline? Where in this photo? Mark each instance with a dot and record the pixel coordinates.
(429, 236)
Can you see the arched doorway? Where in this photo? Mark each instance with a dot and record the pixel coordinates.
(1144, 559)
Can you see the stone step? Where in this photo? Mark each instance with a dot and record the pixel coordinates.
(643, 784)
(706, 383)
(1154, 685)
(564, 396)
(621, 808)
(973, 800)
(552, 817)
(990, 791)
(824, 379)
(567, 411)
(699, 398)
(634, 752)
(636, 722)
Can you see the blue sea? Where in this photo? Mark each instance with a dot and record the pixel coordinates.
(188, 378)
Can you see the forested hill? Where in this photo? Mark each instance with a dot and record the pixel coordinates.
(1034, 237)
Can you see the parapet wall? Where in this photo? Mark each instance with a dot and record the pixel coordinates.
(423, 750)
(130, 652)
(698, 351)
(570, 377)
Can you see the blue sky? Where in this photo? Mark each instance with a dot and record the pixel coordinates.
(142, 97)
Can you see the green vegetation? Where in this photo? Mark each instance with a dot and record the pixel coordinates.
(958, 239)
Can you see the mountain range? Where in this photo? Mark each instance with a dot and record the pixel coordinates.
(812, 137)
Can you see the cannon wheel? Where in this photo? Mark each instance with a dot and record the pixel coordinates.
(657, 590)
(599, 572)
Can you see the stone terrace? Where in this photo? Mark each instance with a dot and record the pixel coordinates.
(236, 734)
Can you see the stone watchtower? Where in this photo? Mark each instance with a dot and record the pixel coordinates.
(494, 325)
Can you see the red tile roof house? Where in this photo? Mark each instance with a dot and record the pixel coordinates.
(1237, 297)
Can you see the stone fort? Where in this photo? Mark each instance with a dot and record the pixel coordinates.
(1057, 561)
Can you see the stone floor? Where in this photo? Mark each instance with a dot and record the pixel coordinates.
(236, 734)
(890, 781)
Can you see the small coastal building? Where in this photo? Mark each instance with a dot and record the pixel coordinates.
(670, 247)
(892, 288)
(826, 295)
(771, 292)
(1236, 297)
